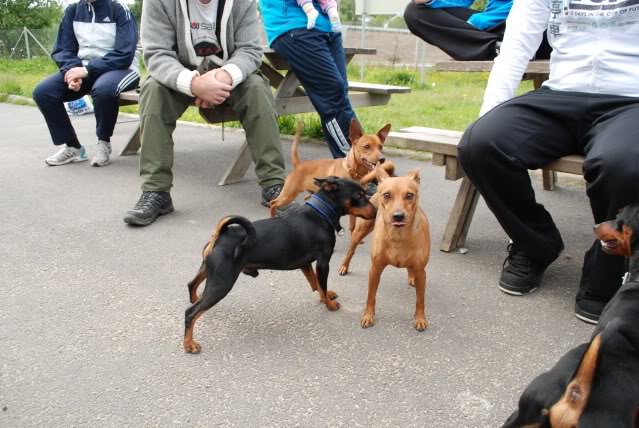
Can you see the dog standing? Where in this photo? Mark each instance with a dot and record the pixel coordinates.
(365, 153)
(596, 384)
(401, 239)
(293, 241)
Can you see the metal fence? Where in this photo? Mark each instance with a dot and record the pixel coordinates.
(23, 43)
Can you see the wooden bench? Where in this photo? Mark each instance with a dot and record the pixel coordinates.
(537, 71)
(290, 98)
(443, 145)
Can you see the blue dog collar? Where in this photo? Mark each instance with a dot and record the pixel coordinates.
(329, 215)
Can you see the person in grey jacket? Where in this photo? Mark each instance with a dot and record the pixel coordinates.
(207, 52)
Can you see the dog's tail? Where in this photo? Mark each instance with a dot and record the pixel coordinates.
(223, 225)
(295, 158)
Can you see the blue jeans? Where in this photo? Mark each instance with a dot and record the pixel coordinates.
(318, 60)
(50, 94)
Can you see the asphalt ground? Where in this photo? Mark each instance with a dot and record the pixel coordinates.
(92, 310)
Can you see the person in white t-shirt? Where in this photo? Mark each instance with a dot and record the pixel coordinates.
(589, 106)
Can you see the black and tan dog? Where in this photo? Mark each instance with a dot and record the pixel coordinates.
(293, 241)
(596, 385)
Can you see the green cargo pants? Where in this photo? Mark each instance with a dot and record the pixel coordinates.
(252, 102)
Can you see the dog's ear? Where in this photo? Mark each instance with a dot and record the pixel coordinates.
(383, 133)
(415, 176)
(328, 184)
(355, 131)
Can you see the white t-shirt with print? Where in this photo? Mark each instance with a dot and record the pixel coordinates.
(203, 21)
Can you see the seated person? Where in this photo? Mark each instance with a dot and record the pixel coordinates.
(317, 58)
(207, 52)
(589, 106)
(462, 33)
(95, 51)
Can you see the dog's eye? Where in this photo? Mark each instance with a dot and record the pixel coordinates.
(386, 196)
(367, 146)
(410, 196)
(619, 225)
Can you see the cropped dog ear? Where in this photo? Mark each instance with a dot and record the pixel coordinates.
(415, 176)
(355, 131)
(328, 184)
(383, 133)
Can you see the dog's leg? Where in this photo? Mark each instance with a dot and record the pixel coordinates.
(289, 192)
(364, 227)
(352, 223)
(411, 279)
(420, 304)
(195, 282)
(322, 277)
(309, 273)
(374, 275)
(213, 293)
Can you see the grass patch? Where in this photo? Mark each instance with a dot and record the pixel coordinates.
(444, 100)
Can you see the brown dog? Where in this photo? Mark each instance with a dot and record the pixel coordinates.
(365, 153)
(401, 239)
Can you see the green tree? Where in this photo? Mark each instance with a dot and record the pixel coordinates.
(29, 13)
(136, 9)
(347, 11)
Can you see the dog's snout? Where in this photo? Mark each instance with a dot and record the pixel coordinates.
(398, 216)
(382, 160)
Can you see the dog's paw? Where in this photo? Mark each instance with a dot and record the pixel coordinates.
(421, 324)
(192, 347)
(368, 320)
(331, 295)
(332, 305)
(343, 270)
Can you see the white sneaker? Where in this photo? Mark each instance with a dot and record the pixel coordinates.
(102, 152)
(67, 155)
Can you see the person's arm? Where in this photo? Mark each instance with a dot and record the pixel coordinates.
(126, 40)
(488, 19)
(525, 28)
(159, 43)
(247, 57)
(65, 50)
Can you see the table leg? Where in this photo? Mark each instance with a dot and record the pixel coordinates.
(239, 166)
(460, 217)
(133, 144)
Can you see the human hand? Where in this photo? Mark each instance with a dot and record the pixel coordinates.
(75, 73)
(209, 89)
(75, 85)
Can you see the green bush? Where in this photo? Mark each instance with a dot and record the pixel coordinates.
(10, 87)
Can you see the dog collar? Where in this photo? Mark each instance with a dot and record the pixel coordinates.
(351, 171)
(326, 211)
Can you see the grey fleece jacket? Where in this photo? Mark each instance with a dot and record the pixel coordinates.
(168, 50)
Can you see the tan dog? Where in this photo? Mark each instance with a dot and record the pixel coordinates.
(365, 153)
(401, 239)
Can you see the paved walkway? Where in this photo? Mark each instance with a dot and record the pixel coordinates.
(92, 310)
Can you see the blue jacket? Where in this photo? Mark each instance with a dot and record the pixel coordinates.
(495, 13)
(101, 35)
(282, 16)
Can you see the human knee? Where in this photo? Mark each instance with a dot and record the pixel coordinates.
(42, 93)
(410, 14)
(615, 169)
(104, 92)
(479, 142)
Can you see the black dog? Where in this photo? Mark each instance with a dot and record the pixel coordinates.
(596, 385)
(285, 243)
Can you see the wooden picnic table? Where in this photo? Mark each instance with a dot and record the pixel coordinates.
(290, 98)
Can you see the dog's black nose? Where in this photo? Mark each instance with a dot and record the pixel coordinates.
(382, 160)
(399, 216)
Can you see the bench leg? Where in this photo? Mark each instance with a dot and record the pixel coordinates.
(238, 168)
(133, 145)
(460, 217)
(549, 179)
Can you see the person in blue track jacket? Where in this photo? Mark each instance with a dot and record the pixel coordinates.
(461, 32)
(95, 51)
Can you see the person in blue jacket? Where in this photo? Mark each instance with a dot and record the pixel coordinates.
(463, 33)
(95, 51)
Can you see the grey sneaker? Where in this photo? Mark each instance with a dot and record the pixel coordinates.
(102, 152)
(67, 155)
(150, 206)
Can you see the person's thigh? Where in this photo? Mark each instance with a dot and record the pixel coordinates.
(309, 56)
(114, 82)
(452, 17)
(159, 100)
(54, 88)
(611, 165)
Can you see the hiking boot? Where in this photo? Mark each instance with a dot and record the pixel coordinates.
(149, 207)
(67, 155)
(102, 152)
(521, 275)
(589, 308)
(271, 192)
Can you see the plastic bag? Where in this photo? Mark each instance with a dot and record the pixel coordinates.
(79, 107)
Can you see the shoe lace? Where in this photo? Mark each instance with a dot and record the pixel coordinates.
(102, 149)
(149, 201)
(68, 152)
(516, 259)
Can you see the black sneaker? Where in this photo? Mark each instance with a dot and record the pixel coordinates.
(149, 207)
(588, 309)
(271, 192)
(521, 275)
